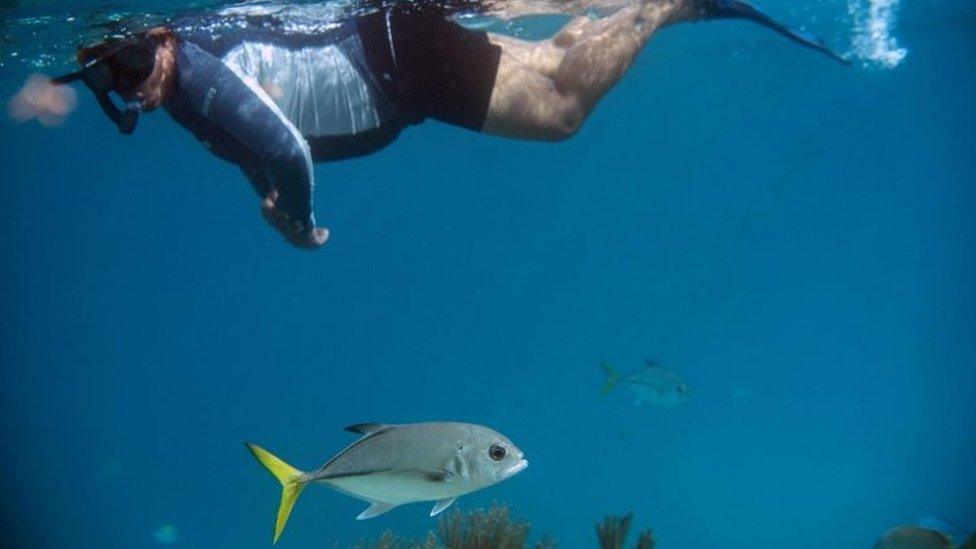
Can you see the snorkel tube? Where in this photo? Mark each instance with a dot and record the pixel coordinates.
(125, 120)
(98, 76)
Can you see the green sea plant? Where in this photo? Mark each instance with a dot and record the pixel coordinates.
(612, 533)
(646, 540)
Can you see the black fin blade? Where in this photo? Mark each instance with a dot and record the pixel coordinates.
(737, 9)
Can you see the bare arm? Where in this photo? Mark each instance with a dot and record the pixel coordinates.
(281, 169)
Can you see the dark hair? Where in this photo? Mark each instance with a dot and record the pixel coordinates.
(142, 65)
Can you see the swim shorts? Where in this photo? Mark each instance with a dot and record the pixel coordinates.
(431, 66)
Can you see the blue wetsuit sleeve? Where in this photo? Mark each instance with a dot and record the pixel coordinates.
(245, 112)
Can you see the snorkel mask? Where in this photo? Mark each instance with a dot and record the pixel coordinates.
(120, 67)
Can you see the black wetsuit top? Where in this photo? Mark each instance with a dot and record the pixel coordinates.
(272, 96)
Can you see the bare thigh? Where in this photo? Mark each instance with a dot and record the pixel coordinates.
(545, 89)
(525, 102)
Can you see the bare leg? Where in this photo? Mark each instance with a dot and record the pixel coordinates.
(545, 90)
(511, 9)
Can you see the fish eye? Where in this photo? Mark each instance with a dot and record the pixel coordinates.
(496, 452)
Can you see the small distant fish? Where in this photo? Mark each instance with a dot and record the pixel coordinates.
(166, 534)
(652, 384)
(395, 464)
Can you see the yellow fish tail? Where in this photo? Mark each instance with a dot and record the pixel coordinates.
(291, 480)
(612, 378)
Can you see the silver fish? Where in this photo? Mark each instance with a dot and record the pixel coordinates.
(652, 384)
(395, 464)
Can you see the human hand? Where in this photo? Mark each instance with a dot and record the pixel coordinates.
(39, 98)
(295, 231)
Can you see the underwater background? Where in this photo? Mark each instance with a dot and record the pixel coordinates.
(795, 237)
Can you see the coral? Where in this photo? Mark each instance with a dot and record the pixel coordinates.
(389, 540)
(491, 528)
(494, 528)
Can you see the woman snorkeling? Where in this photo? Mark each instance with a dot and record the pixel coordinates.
(273, 97)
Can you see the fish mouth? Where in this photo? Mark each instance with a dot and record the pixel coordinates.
(517, 468)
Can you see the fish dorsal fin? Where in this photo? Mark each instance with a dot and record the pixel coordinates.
(366, 428)
(441, 505)
(375, 510)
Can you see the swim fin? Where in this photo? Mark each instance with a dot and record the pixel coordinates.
(704, 10)
(291, 479)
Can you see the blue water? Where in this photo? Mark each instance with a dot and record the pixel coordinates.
(795, 237)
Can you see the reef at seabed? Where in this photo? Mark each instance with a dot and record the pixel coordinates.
(495, 528)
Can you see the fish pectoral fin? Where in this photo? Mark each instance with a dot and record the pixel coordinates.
(375, 510)
(439, 475)
(441, 505)
(431, 475)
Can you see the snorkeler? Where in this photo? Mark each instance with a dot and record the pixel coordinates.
(273, 97)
